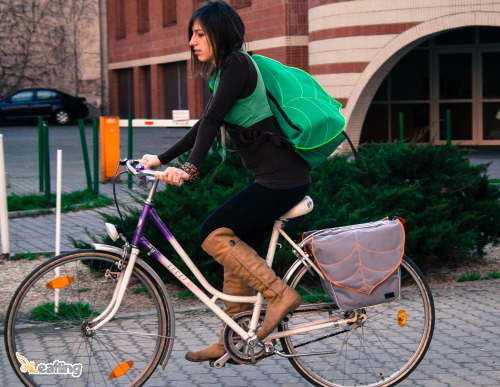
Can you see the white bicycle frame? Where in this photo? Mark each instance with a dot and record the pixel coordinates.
(250, 335)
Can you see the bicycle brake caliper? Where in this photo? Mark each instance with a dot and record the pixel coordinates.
(111, 274)
(122, 263)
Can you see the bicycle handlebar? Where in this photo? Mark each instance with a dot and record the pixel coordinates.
(140, 171)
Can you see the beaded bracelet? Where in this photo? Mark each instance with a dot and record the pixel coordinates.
(191, 170)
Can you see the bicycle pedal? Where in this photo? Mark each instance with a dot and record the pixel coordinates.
(211, 363)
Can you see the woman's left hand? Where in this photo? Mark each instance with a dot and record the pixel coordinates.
(150, 161)
(174, 176)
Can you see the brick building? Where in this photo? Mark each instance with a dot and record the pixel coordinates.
(399, 64)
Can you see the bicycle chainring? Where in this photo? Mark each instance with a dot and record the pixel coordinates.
(237, 348)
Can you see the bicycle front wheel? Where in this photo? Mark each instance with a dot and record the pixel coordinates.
(45, 333)
(381, 351)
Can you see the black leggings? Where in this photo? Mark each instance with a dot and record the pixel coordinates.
(251, 213)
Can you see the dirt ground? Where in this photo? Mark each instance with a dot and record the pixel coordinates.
(451, 272)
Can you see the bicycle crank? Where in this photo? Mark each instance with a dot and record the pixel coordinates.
(237, 348)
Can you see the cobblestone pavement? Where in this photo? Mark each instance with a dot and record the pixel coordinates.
(37, 234)
(464, 350)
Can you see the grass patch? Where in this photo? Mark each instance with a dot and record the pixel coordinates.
(30, 256)
(142, 291)
(475, 276)
(81, 200)
(185, 294)
(72, 311)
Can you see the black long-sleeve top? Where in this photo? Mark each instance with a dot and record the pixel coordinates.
(274, 164)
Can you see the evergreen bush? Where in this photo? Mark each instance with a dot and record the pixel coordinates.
(451, 208)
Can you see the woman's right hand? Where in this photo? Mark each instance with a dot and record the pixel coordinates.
(150, 161)
(174, 176)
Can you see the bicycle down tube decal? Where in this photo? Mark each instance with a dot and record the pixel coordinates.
(169, 265)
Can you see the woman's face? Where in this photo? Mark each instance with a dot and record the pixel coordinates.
(201, 45)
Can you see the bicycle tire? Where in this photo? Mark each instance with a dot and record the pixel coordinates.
(377, 353)
(35, 331)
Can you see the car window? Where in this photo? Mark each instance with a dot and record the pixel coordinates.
(46, 94)
(23, 96)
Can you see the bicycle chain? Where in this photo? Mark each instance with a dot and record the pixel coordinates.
(319, 338)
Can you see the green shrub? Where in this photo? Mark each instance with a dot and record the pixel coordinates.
(451, 208)
(72, 312)
(183, 210)
(475, 276)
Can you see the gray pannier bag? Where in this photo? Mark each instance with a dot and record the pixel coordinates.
(360, 263)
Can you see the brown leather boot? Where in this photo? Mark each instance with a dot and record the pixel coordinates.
(244, 262)
(233, 285)
(212, 352)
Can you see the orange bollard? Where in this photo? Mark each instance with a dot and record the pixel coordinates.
(110, 146)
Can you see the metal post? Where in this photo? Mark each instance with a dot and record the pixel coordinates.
(4, 215)
(85, 154)
(130, 148)
(40, 154)
(95, 126)
(58, 222)
(46, 162)
(401, 126)
(448, 126)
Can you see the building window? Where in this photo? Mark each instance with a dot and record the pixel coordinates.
(175, 81)
(125, 79)
(142, 16)
(145, 92)
(401, 105)
(446, 88)
(169, 12)
(236, 4)
(121, 25)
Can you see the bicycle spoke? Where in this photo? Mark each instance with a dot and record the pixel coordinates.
(373, 351)
(64, 337)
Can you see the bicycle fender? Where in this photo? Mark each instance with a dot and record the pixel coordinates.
(107, 248)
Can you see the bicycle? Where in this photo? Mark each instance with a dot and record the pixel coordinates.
(67, 309)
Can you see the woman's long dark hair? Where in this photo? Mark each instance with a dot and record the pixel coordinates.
(225, 32)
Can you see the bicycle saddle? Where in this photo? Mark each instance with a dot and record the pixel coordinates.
(305, 206)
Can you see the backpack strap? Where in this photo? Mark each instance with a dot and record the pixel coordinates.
(354, 151)
(276, 138)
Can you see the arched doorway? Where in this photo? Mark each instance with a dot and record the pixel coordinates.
(447, 86)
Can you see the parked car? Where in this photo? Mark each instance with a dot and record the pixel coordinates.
(48, 103)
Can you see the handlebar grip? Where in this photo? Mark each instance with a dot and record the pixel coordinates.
(159, 176)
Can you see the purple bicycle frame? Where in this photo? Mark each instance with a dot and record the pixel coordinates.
(140, 241)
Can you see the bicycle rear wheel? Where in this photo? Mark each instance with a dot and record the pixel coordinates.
(382, 351)
(47, 330)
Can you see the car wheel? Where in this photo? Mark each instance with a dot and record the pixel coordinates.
(61, 117)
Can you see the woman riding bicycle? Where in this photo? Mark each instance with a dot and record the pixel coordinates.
(233, 233)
